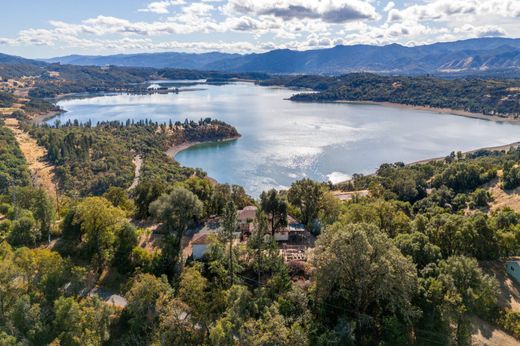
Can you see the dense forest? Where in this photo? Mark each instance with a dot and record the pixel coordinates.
(13, 170)
(487, 96)
(401, 266)
(90, 159)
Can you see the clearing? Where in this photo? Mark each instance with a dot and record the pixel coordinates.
(41, 170)
(138, 162)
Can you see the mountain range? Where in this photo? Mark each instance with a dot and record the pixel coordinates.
(481, 55)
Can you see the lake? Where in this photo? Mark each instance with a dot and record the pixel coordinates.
(283, 141)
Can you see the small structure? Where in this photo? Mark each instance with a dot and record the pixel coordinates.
(200, 246)
(246, 218)
(294, 253)
(153, 87)
(513, 269)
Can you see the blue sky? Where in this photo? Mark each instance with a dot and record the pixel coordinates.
(46, 28)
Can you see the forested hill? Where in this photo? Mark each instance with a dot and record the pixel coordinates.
(89, 160)
(499, 97)
(487, 56)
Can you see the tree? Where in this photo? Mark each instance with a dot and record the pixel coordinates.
(24, 231)
(176, 327)
(202, 187)
(126, 240)
(465, 288)
(481, 198)
(306, 195)
(330, 209)
(119, 198)
(229, 226)
(40, 205)
(511, 178)
(444, 230)
(356, 268)
(178, 210)
(417, 246)
(143, 295)
(193, 292)
(144, 194)
(100, 222)
(276, 209)
(81, 323)
(271, 329)
(462, 176)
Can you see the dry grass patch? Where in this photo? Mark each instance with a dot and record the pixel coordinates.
(41, 170)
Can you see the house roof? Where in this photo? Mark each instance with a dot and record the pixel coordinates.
(202, 239)
(248, 213)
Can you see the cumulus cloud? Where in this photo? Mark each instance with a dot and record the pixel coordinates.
(480, 31)
(330, 11)
(258, 25)
(445, 10)
(161, 7)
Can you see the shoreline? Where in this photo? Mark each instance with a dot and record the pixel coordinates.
(41, 118)
(457, 112)
(504, 147)
(177, 148)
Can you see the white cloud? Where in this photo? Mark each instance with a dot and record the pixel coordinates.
(389, 6)
(257, 25)
(330, 11)
(480, 31)
(161, 7)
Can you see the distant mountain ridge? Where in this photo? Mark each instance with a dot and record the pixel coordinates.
(157, 60)
(18, 60)
(466, 56)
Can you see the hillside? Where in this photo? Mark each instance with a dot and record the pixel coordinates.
(157, 60)
(485, 96)
(481, 56)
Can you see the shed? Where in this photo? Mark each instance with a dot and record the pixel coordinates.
(513, 269)
(200, 246)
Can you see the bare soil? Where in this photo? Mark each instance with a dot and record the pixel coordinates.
(41, 170)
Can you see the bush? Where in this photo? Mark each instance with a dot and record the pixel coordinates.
(511, 178)
(510, 321)
(480, 198)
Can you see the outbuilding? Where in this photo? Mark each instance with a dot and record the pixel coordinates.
(200, 246)
(513, 269)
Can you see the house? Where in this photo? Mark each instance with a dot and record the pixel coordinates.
(200, 245)
(513, 269)
(281, 235)
(246, 218)
(153, 87)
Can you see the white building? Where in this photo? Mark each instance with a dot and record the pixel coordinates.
(154, 87)
(200, 246)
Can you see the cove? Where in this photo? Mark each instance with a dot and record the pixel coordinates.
(283, 141)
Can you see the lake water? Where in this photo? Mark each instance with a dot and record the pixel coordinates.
(283, 141)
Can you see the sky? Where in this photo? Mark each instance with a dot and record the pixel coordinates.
(49, 28)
